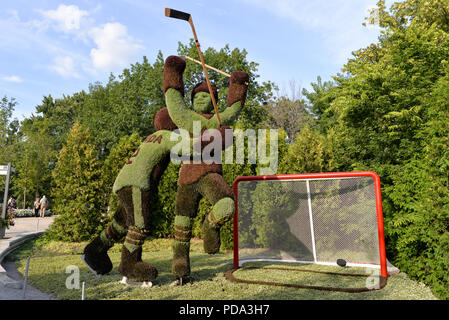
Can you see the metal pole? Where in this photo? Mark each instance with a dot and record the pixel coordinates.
(5, 197)
(312, 232)
(82, 291)
(26, 278)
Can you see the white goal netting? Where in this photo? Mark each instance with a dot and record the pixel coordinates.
(315, 220)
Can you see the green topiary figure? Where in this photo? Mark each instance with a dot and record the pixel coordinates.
(200, 180)
(133, 186)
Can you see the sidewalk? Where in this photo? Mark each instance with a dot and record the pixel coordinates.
(10, 280)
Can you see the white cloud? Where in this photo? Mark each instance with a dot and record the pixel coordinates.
(103, 47)
(65, 66)
(67, 18)
(338, 22)
(115, 48)
(15, 79)
(112, 48)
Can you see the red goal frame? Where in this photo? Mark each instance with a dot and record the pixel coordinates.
(378, 196)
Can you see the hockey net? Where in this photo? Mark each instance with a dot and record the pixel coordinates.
(311, 218)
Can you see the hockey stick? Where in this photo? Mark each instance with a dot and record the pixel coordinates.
(212, 68)
(171, 13)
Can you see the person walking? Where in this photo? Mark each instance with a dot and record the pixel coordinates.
(11, 206)
(44, 205)
(37, 206)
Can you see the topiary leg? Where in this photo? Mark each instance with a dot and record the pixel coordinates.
(137, 206)
(217, 191)
(131, 265)
(187, 199)
(95, 253)
(181, 247)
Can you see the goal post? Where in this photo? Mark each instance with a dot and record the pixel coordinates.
(310, 218)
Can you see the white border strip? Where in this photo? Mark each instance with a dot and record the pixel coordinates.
(312, 232)
(376, 266)
(390, 269)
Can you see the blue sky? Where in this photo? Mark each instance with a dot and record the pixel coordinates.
(59, 47)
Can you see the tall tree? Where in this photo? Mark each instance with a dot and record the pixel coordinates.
(77, 180)
(377, 113)
(10, 137)
(288, 112)
(8, 129)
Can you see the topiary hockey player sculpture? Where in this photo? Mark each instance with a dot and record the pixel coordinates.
(200, 180)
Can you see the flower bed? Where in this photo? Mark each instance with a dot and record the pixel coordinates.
(20, 213)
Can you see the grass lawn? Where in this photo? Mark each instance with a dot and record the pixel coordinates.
(49, 261)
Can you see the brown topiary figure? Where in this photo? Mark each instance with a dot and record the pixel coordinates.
(200, 180)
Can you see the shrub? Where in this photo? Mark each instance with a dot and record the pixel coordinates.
(77, 189)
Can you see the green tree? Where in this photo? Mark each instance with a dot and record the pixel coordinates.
(8, 127)
(310, 152)
(420, 228)
(377, 113)
(10, 137)
(126, 104)
(77, 180)
(288, 112)
(36, 162)
(163, 203)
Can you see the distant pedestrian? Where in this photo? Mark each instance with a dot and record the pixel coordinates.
(12, 205)
(44, 205)
(37, 207)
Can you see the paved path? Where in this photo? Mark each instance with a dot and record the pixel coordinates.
(10, 279)
(25, 225)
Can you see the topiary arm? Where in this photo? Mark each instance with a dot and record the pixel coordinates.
(181, 115)
(236, 98)
(227, 117)
(151, 152)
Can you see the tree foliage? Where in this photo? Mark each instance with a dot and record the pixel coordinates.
(77, 186)
(9, 133)
(387, 113)
(288, 112)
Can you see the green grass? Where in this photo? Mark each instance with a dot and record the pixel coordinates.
(49, 260)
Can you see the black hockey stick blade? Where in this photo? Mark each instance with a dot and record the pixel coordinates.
(177, 14)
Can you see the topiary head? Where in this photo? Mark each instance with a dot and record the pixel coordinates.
(201, 100)
(162, 121)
